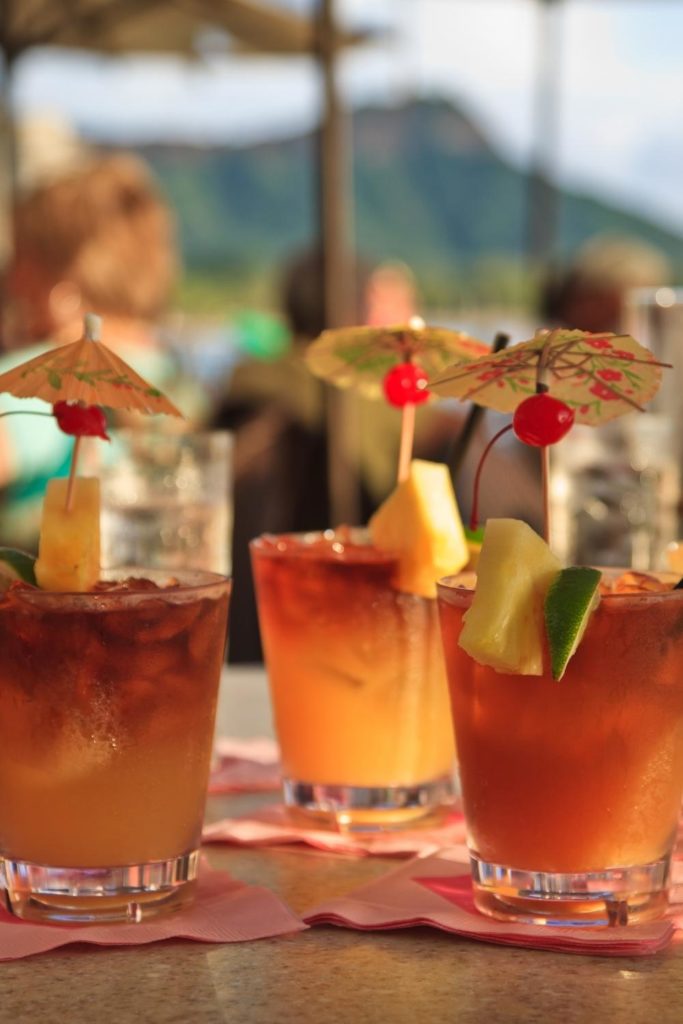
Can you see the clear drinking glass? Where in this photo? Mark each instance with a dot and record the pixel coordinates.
(107, 706)
(357, 682)
(572, 790)
(615, 492)
(166, 500)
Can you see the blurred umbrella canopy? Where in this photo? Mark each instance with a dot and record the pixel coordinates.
(192, 29)
(183, 27)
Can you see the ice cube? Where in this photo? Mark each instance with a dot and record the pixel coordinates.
(639, 583)
(208, 625)
(75, 753)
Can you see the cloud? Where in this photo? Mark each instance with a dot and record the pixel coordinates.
(618, 76)
(169, 98)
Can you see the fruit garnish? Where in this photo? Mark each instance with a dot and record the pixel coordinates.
(674, 556)
(474, 549)
(638, 583)
(504, 626)
(405, 383)
(81, 420)
(541, 419)
(420, 523)
(573, 596)
(393, 362)
(77, 380)
(16, 565)
(69, 552)
(593, 377)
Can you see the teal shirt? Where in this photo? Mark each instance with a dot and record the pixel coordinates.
(39, 450)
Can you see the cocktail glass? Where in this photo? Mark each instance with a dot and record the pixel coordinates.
(166, 500)
(572, 790)
(357, 682)
(107, 706)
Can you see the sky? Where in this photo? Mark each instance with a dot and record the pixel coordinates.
(614, 68)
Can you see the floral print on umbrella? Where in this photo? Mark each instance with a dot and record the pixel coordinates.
(599, 376)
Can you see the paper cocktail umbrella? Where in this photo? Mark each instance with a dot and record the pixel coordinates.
(393, 362)
(85, 371)
(599, 376)
(77, 379)
(557, 378)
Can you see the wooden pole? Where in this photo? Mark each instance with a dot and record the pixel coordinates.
(542, 196)
(336, 230)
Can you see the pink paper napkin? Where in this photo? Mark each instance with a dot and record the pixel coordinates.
(271, 826)
(245, 766)
(436, 890)
(224, 910)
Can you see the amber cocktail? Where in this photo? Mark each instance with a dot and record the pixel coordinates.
(357, 681)
(107, 706)
(572, 788)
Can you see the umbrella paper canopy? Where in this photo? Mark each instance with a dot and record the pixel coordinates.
(599, 376)
(85, 371)
(360, 357)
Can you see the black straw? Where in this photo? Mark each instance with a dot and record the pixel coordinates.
(461, 443)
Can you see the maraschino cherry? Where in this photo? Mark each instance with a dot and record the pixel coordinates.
(80, 420)
(406, 384)
(541, 420)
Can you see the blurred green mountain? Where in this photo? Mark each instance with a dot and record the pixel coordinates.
(430, 189)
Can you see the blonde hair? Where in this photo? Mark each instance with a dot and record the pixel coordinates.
(620, 261)
(105, 229)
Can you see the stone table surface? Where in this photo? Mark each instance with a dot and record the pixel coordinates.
(330, 975)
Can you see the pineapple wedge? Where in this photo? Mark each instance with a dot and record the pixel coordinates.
(69, 549)
(420, 523)
(504, 627)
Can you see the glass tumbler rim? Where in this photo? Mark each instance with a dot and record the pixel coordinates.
(191, 585)
(331, 544)
(463, 585)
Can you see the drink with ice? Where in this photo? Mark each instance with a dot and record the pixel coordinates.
(108, 684)
(566, 687)
(577, 777)
(107, 705)
(168, 534)
(165, 500)
(357, 680)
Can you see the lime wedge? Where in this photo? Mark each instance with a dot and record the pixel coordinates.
(16, 565)
(572, 597)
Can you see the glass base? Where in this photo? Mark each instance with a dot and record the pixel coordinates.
(131, 893)
(615, 896)
(369, 808)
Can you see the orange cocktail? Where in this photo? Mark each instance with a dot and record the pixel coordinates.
(357, 680)
(577, 781)
(107, 706)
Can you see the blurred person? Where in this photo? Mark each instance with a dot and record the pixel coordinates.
(95, 236)
(277, 410)
(391, 295)
(588, 295)
(597, 469)
(99, 239)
